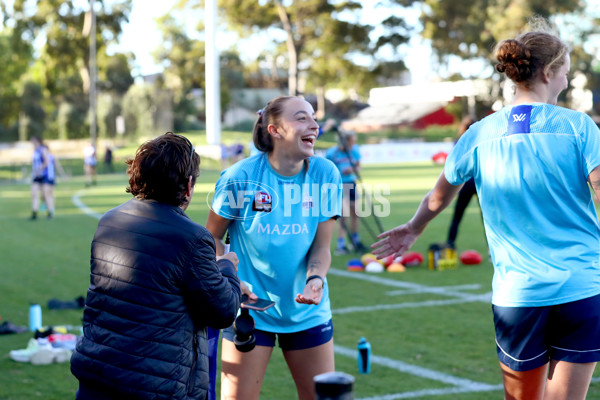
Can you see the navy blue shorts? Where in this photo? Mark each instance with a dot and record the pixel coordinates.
(529, 337)
(350, 190)
(306, 339)
(43, 180)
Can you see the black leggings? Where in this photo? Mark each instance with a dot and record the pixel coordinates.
(464, 197)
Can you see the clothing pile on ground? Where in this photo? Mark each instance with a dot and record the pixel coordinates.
(8, 327)
(47, 347)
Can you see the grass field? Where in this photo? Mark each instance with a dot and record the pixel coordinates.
(431, 332)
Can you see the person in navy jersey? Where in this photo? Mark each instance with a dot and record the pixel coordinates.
(279, 208)
(43, 173)
(532, 162)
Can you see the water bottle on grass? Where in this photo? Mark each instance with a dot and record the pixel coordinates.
(364, 356)
(35, 317)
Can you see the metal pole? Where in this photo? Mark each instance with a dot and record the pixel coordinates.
(93, 116)
(212, 83)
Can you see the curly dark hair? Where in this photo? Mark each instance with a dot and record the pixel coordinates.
(527, 56)
(161, 169)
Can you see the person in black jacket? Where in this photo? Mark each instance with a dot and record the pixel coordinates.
(156, 285)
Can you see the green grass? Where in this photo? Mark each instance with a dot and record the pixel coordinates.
(47, 259)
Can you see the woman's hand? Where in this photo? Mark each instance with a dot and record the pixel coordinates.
(231, 256)
(246, 290)
(395, 241)
(313, 292)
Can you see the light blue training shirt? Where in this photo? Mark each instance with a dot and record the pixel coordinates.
(343, 160)
(273, 246)
(530, 163)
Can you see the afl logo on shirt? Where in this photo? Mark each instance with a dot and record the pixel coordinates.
(262, 202)
(307, 202)
(234, 199)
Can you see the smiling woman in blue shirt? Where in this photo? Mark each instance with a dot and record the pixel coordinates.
(279, 207)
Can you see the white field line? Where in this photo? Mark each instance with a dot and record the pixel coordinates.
(81, 205)
(400, 284)
(433, 392)
(486, 297)
(413, 369)
(461, 385)
(440, 392)
(473, 286)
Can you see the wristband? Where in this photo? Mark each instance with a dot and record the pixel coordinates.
(315, 277)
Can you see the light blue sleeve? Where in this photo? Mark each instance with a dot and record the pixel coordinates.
(356, 153)
(591, 144)
(459, 166)
(224, 201)
(333, 195)
(329, 153)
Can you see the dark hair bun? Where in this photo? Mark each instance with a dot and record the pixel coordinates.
(514, 60)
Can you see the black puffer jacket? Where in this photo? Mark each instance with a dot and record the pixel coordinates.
(155, 287)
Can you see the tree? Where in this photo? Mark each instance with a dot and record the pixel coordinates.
(66, 49)
(183, 61)
(15, 56)
(63, 64)
(321, 40)
(116, 75)
(184, 67)
(470, 29)
(32, 115)
(328, 64)
(303, 22)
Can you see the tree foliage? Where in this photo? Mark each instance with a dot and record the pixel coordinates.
(183, 58)
(115, 76)
(15, 56)
(317, 41)
(470, 29)
(62, 67)
(32, 115)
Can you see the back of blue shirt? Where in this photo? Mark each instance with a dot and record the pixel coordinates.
(530, 165)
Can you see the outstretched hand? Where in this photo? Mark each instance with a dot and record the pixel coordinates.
(394, 242)
(313, 293)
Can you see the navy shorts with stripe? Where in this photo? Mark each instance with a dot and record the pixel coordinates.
(306, 339)
(529, 337)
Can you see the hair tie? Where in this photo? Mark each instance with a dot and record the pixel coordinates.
(260, 113)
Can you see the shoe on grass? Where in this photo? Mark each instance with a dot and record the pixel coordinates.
(45, 356)
(24, 355)
(40, 352)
